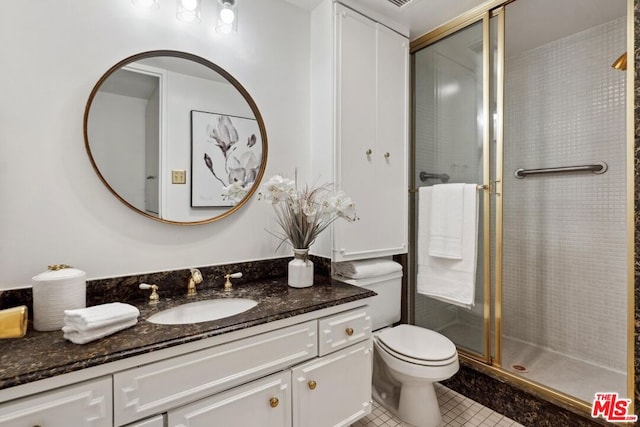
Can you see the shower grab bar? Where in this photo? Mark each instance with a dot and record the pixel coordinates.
(441, 176)
(600, 167)
(478, 187)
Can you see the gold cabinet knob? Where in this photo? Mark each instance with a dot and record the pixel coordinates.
(274, 402)
(368, 152)
(349, 331)
(312, 385)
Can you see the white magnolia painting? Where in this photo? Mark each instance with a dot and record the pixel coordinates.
(225, 151)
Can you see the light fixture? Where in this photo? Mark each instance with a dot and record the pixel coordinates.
(621, 62)
(189, 10)
(146, 4)
(226, 20)
(227, 16)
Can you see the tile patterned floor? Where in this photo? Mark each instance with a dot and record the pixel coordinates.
(457, 411)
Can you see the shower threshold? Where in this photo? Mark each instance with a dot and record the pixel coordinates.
(568, 375)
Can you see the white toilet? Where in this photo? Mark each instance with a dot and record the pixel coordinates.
(407, 359)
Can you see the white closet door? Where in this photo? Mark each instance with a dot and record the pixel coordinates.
(392, 136)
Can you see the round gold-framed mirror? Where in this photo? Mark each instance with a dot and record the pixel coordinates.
(175, 137)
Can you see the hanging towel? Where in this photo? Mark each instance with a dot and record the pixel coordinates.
(82, 337)
(366, 268)
(99, 316)
(447, 210)
(445, 279)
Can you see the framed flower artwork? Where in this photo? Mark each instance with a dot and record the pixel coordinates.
(226, 151)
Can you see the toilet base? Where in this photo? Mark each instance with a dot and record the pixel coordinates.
(418, 405)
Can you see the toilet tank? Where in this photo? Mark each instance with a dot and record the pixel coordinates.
(384, 308)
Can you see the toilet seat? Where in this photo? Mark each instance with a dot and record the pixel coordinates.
(417, 345)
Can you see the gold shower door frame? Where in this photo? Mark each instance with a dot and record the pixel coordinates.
(490, 361)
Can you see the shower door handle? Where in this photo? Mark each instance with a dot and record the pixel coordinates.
(493, 187)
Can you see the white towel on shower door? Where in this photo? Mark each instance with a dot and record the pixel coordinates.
(448, 280)
(446, 224)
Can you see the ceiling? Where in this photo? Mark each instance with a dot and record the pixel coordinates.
(420, 16)
(554, 18)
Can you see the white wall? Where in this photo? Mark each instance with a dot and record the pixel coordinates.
(124, 132)
(54, 208)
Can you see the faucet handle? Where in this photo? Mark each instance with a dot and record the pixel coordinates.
(196, 275)
(154, 297)
(228, 284)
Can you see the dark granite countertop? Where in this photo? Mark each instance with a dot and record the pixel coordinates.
(41, 355)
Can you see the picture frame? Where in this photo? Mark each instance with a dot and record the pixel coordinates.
(225, 150)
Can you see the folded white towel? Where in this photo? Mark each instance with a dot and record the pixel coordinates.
(363, 269)
(448, 280)
(83, 337)
(447, 210)
(99, 316)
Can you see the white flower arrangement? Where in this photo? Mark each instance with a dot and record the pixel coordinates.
(303, 214)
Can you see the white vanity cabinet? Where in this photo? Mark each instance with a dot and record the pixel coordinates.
(361, 130)
(87, 404)
(284, 374)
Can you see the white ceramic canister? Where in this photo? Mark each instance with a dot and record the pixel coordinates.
(59, 288)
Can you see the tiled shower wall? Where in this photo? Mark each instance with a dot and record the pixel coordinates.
(564, 234)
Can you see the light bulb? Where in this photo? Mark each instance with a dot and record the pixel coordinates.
(189, 5)
(188, 10)
(227, 16)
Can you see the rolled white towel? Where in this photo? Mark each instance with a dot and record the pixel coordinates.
(363, 269)
(98, 316)
(83, 337)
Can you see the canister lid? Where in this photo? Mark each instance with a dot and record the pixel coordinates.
(58, 272)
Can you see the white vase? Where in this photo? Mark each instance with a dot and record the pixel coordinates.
(300, 269)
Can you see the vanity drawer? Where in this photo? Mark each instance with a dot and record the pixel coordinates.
(157, 387)
(85, 404)
(343, 329)
(261, 403)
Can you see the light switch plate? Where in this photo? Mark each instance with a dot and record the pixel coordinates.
(178, 176)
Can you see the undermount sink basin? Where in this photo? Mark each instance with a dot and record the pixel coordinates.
(202, 311)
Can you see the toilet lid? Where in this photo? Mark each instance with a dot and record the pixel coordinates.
(418, 343)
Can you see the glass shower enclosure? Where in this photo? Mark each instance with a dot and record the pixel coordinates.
(525, 104)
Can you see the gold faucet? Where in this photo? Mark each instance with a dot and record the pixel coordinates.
(194, 279)
(228, 284)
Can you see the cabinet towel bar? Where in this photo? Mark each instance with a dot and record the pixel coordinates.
(600, 167)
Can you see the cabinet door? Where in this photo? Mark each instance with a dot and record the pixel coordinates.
(334, 390)
(391, 163)
(84, 405)
(355, 129)
(265, 403)
(371, 136)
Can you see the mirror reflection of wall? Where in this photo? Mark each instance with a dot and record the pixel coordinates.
(140, 134)
(125, 136)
